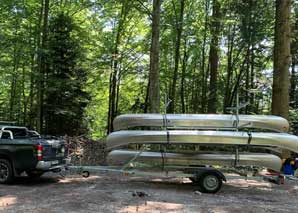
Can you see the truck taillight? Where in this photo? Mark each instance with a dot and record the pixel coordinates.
(39, 150)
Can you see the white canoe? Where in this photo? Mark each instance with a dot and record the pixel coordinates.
(154, 159)
(201, 121)
(280, 140)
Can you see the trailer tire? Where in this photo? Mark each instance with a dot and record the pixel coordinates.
(210, 182)
(6, 172)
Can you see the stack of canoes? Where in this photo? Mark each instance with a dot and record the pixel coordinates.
(204, 130)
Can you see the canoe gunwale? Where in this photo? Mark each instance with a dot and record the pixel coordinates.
(179, 137)
(201, 121)
(172, 160)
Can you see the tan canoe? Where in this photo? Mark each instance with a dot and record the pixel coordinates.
(280, 140)
(201, 121)
(155, 159)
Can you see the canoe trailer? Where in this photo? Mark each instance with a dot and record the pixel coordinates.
(206, 178)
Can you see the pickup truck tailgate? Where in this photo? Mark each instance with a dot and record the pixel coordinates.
(53, 149)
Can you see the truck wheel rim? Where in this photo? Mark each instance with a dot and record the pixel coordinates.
(3, 172)
(210, 182)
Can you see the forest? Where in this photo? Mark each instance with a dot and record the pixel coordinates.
(71, 66)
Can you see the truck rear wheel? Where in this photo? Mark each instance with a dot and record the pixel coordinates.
(6, 172)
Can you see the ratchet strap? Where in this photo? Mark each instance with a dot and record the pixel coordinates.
(164, 120)
(236, 157)
(249, 138)
(168, 137)
(162, 152)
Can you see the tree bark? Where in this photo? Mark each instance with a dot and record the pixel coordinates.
(184, 63)
(13, 85)
(213, 57)
(203, 70)
(42, 68)
(154, 87)
(227, 95)
(35, 69)
(293, 86)
(179, 29)
(281, 82)
(114, 76)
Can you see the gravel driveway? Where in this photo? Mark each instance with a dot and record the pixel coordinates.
(114, 193)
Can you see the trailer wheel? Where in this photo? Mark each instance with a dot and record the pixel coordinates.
(6, 172)
(210, 182)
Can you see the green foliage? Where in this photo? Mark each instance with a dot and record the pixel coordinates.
(81, 44)
(65, 96)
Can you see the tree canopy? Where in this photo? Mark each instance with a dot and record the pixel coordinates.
(70, 67)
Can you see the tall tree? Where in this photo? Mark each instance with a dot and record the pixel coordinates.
(65, 98)
(204, 69)
(114, 76)
(281, 82)
(42, 65)
(154, 86)
(294, 54)
(213, 57)
(179, 29)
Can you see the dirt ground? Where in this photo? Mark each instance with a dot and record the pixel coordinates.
(114, 193)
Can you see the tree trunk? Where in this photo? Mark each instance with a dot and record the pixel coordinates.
(12, 95)
(203, 70)
(280, 94)
(154, 93)
(213, 57)
(252, 78)
(31, 94)
(147, 98)
(25, 99)
(281, 63)
(239, 78)
(182, 91)
(42, 68)
(114, 76)
(35, 69)
(227, 95)
(247, 81)
(179, 29)
(293, 85)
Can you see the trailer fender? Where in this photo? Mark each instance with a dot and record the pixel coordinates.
(202, 171)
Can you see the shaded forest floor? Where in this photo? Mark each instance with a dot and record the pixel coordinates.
(114, 193)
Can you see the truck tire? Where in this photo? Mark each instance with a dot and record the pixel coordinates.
(210, 182)
(6, 172)
(34, 174)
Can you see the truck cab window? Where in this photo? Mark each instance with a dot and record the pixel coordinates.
(5, 135)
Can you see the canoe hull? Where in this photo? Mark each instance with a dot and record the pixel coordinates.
(121, 157)
(201, 121)
(280, 140)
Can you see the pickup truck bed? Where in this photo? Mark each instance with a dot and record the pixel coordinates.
(25, 153)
